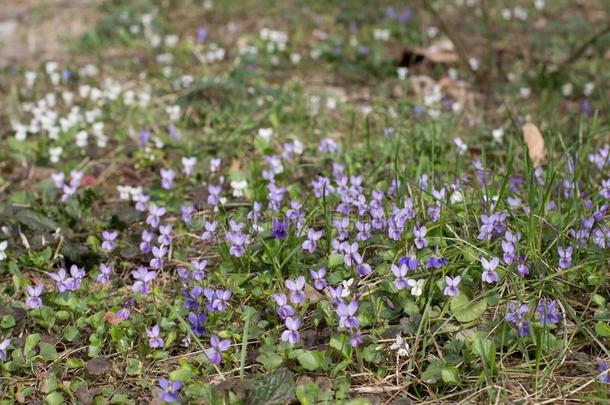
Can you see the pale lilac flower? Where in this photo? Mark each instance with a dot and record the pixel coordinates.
(565, 257)
(109, 240)
(167, 178)
(214, 194)
(210, 231)
(199, 269)
(106, 271)
(154, 340)
(489, 274)
(188, 163)
(451, 289)
(147, 237)
(158, 261)
(419, 232)
(154, 215)
(218, 300)
(143, 278)
(297, 295)
(284, 310)
(33, 301)
(350, 254)
(169, 390)
(400, 273)
(364, 231)
(336, 295)
(291, 335)
(319, 281)
(215, 164)
(347, 312)
(312, 237)
(328, 145)
(603, 367)
(186, 213)
(61, 280)
(77, 273)
(165, 235)
(364, 270)
(214, 354)
(3, 348)
(141, 201)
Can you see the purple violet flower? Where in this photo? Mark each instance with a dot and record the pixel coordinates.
(33, 301)
(291, 334)
(169, 390)
(154, 340)
(451, 289)
(297, 295)
(214, 354)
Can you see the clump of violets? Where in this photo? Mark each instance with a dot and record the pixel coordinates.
(516, 316)
(218, 300)
(548, 312)
(218, 346)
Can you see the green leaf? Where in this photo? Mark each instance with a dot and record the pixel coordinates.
(311, 359)
(274, 388)
(466, 310)
(335, 261)
(54, 398)
(270, 360)
(434, 371)
(340, 343)
(307, 394)
(75, 363)
(30, 343)
(450, 375)
(48, 351)
(8, 321)
(185, 373)
(36, 221)
(602, 329)
(134, 367)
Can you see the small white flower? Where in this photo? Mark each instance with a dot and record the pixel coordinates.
(81, 139)
(589, 87)
(381, 34)
(3, 246)
(265, 133)
(497, 134)
(238, 187)
(417, 286)
(525, 92)
(298, 147)
(402, 72)
(539, 4)
(432, 32)
(30, 78)
(346, 288)
(506, 13)
(55, 154)
(461, 146)
(295, 58)
(401, 346)
(473, 63)
(171, 40)
(456, 197)
(567, 89)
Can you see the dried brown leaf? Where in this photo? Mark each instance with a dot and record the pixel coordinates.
(535, 143)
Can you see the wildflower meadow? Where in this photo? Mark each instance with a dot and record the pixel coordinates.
(304, 202)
